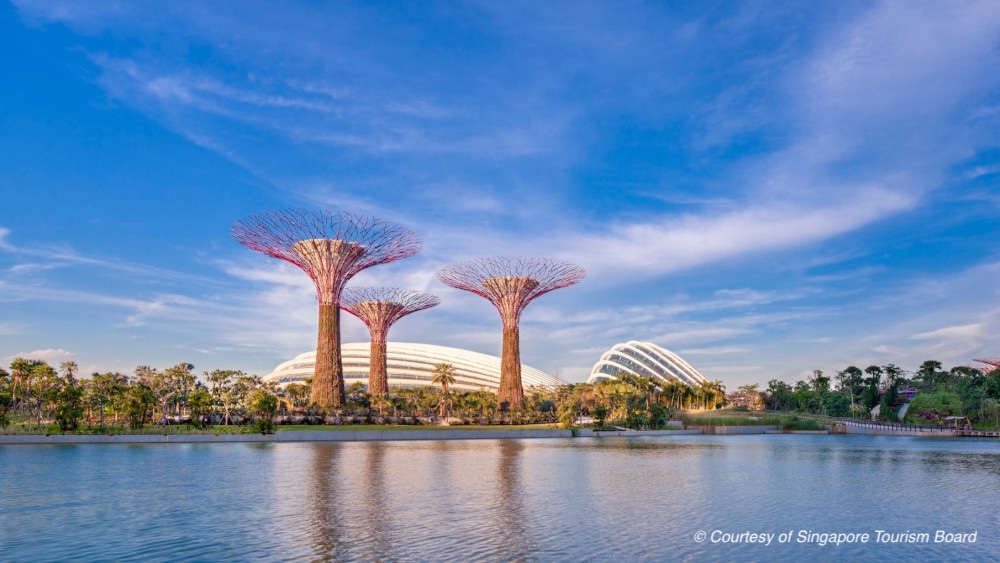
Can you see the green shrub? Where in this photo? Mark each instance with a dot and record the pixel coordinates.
(263, 426)
(802, 425)
(658, 416)
(933, 407)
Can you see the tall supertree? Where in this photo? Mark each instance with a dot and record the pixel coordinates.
(992, 363)
(331, 247)
(511, 283)
(379, 308)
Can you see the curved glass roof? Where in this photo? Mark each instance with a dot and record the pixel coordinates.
(645, 359)
(410, 365)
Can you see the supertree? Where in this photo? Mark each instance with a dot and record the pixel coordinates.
(331, 247)
(510, 283)
(991, 365)
(379, 308)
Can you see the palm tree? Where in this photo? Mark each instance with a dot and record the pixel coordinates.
(444, 375)
(381, 402)
(874, 376)
(183, 382)
(44, 378)
(102, 388)
(160, 384)
(69, 371)
(219, 379)
(298, 393)
(118, 384)
(20, 376)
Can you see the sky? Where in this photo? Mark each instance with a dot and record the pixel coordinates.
(764, 188)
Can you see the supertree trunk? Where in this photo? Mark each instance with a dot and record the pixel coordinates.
(510, 283)
(510, 396)
(379, 308)
(378, 376)
(327, 387)
(331, 248)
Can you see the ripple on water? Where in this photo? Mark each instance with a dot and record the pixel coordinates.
(492, 500)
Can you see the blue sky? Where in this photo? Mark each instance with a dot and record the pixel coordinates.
(764, 188)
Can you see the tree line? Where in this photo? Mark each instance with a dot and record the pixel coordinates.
(33, 393)
(932, 392)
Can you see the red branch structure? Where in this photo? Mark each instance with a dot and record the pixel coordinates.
(510, 283)
(331, 247)
(993, 363)
(379, 308)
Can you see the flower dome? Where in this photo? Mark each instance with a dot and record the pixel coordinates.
(412, 365)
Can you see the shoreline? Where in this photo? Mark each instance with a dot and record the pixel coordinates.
(332, 436)
(292, 436)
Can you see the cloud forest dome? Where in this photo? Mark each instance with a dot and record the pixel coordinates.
(411, 365)
(647, 360)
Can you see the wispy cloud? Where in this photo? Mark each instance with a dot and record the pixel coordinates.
(801, 134)
(52, 356)
(57, 256)
(680, 243)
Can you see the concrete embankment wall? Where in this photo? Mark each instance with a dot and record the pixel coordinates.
(585, 433)
(406, 435)
(735, 429)
(334, 436)
(411, 435)
(884, 431)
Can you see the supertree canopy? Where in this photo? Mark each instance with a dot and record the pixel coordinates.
(510, 283)
(379, 308)
(331, 247)
(993, 364)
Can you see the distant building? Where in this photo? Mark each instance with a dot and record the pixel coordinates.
(752, 401)
(411, 365)
(647, 360)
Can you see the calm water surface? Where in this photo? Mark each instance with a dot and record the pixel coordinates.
(626, 499)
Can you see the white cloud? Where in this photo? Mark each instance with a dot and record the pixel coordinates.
(857, 128)
(52, 356)
(961, 339)
(679, 243)
(57, 256)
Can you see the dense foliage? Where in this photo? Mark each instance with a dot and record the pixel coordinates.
(33, 395)
(936, 393)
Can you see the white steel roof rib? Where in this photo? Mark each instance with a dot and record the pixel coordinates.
(647, 360)
(410, 365)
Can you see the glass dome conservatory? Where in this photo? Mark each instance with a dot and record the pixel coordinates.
(645, 359)
(411, 365)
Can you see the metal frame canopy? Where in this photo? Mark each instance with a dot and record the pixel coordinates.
(330, 247)
(379, 308)
(510, 284)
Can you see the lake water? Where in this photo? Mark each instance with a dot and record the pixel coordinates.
(583, 499)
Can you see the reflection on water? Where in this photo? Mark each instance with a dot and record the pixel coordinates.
(377, 520)
(494, 500)
(325, 528)
(513, 539)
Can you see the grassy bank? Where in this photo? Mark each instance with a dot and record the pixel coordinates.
(749, 418)
(393, 427)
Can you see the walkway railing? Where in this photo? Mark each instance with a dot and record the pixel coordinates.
(876, 424)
